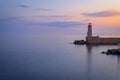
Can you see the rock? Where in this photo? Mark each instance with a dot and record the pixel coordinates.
(112, 52)
(103, 52)
(79, 42)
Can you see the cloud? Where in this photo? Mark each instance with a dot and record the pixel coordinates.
(58, 24)
(7, 19)
(10, 19)
(23, 6)
(53, 16)
(60, 16)
(102, 14)
(37, 17)
(43, 9)
(33, 22)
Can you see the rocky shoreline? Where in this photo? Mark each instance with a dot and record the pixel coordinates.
(112, 52)
(79, 42)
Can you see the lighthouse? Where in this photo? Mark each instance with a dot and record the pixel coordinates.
(96, 40)
(89, 33)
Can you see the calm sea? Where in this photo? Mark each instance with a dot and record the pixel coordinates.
(36, 57)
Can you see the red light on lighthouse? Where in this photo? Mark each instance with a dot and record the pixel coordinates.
(89, 25)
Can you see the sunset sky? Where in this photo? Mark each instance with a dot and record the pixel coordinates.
(58, 13)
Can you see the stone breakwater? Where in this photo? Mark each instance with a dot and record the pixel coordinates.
(112, 52)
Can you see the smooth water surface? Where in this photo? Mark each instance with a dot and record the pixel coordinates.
(54, 58)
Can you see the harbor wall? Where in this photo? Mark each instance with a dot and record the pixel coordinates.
(109, 40)
(98, 40)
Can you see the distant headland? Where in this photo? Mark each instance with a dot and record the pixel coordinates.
(96, 40)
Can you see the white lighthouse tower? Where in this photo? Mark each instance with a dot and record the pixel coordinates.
(89, 33)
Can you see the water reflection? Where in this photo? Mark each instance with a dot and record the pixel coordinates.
(90, 71)
(118, 66)
(89, 61)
